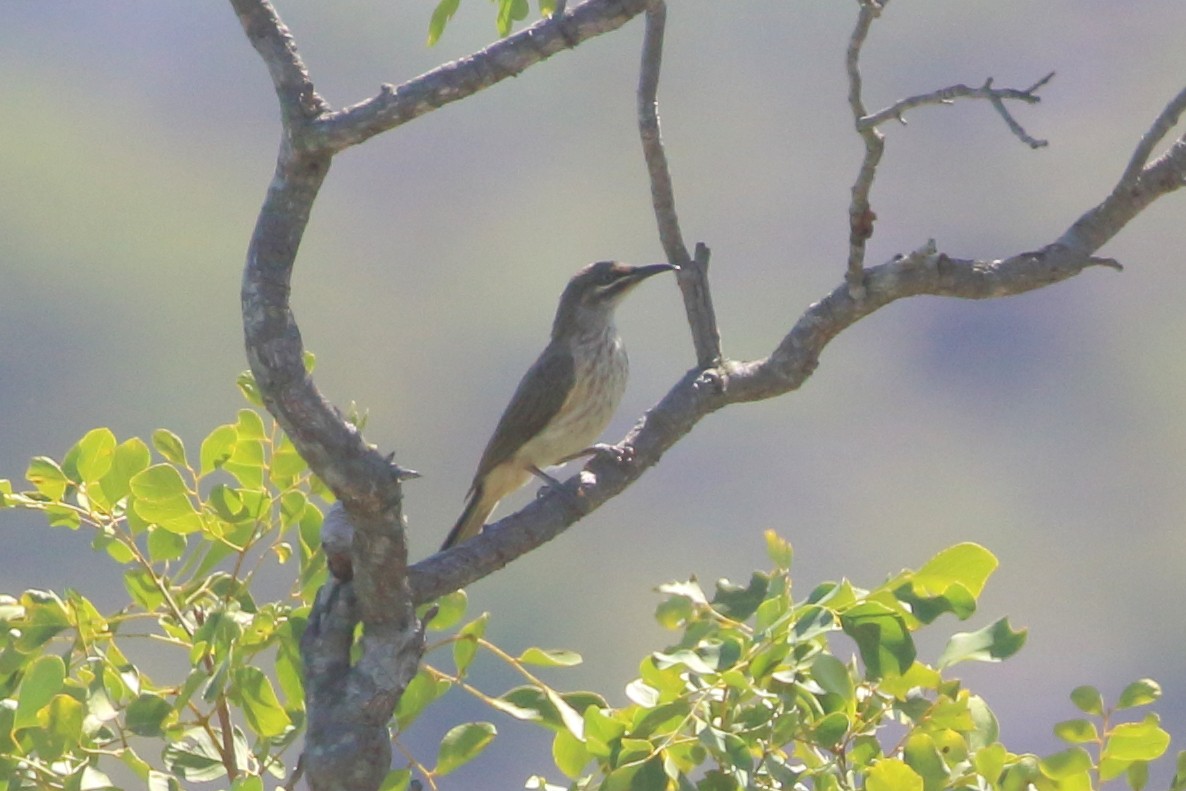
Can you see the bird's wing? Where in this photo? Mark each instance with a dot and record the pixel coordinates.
(538, 398)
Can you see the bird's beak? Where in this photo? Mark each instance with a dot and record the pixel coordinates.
(646, 270)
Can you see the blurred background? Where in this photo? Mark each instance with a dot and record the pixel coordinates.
(139, 138)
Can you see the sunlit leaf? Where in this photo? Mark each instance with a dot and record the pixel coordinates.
(1139, 693)
(41, 682)
(147, 713)
(1136, 741)
(441, 15)
(162, 498)
(1076, 731)
(550, 657)
(262, 708)
(1088, 699)
(462, 744)
(892, 774)
(993, 643)
(170, 446)
(881, 635)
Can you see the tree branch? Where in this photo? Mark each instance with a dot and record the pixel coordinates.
(860, 214)
(454, 81)
(948, 95)
(693, 272)
(700, 393)
(350, 704)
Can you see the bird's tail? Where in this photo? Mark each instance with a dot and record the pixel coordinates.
(470, 523)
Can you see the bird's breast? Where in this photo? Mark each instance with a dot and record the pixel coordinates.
(600, 370)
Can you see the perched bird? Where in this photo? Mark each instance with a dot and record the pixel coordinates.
(566, 398)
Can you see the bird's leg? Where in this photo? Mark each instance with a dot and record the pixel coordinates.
(553, 485)
(549, 481)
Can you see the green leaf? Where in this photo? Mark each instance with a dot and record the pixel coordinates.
(1138, 775)
(462, 744)
(1136, 741)
(509, 11)
(248, 783)
(440, 18)
(1076, 731)
(832, 729)
(738, 603)
(45, 616)
(170, 446)
(61, 727)
(569, 754)
(832, 674)
(466, 644)
(1088, 700)
(217, 448)
(641, 775)
(130, 457)
(147, 713)
(1139, 693)
(163, 545)
(993, 643)
(779, 550)
(450, 610)
(421, 691)
(249, 389)
(881, 635)
(162, 498)
(923, 756)
(601, 731)
(949, 582)
(141, 586)
(892, 774)
(1179, 781)
(91, 458)
(47, 477)
(397, 780)
(969, 565)
(42, 681)
(550, 657)
(990, 762)
(1064, 764)
(195, 757)
(262, 708)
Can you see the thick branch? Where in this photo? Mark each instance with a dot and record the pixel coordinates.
(700, 393)
(350, 703)
(451, 82)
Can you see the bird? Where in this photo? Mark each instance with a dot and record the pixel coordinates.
(566, 398)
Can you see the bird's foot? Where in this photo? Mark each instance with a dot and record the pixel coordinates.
(619, 454)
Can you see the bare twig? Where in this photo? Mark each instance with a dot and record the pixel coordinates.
(693, 274)
(948, 95)
(662, 193)
(997, 98)
(860, 214)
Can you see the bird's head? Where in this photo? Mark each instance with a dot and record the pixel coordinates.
(593, 293)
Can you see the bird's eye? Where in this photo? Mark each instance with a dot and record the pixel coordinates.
(605, 277)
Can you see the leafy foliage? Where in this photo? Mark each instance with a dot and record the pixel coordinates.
(507, 14)
(756, 693)
(191, 538)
